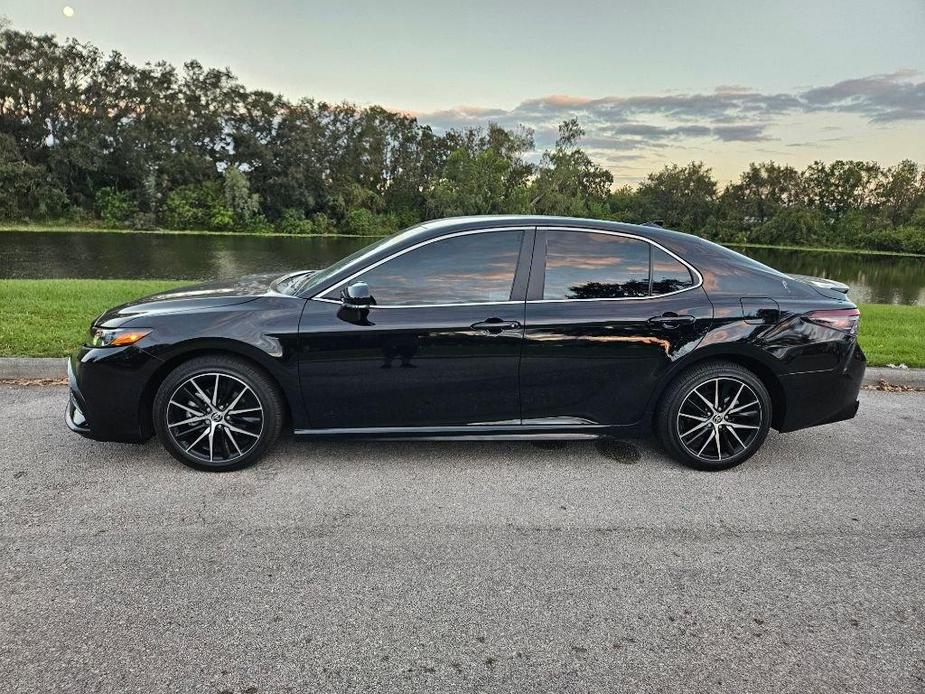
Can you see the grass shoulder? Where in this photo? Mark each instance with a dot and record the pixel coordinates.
(48, 318)
(893, 334)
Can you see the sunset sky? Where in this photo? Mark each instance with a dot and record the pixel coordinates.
(652, 83)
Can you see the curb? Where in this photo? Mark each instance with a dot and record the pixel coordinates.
(16, 368)
(914, 378)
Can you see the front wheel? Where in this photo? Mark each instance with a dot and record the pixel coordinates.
(217, 413)
(714, 416)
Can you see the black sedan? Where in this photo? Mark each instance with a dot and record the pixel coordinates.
(480, 327)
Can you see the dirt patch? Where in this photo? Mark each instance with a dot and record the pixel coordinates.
(619, 451)
(894, 387)
(550, 445)
(33, 381)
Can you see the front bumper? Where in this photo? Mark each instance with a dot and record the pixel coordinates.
(108, 395)
(73, 414)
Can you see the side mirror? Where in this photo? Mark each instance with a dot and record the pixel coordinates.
(356, 295)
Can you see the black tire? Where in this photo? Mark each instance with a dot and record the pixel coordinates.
(713, 438)
(228, 436)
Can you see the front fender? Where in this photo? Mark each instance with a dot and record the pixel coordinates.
(264, 331)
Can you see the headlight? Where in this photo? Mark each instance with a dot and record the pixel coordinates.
(116, 337)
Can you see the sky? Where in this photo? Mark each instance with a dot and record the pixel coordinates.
(652, 83)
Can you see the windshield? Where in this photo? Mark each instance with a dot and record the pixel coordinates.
(317, 279)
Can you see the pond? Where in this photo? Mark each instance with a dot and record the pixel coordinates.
(873, 278)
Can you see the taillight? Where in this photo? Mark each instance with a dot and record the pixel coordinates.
(844, 319)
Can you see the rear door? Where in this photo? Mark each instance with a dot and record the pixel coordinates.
(607, 313)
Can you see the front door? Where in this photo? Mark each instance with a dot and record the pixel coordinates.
(440, 347)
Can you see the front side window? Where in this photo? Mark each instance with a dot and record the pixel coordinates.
(471, 268)
(586, 265)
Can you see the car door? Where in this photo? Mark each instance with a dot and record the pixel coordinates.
(439, 346)
(606, 314)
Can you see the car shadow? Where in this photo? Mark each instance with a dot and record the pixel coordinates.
(291, 451)
(475, 453)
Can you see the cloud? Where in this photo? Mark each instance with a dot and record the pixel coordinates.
(566, 100)
(741, 133)
(729, 114)
(879, 98)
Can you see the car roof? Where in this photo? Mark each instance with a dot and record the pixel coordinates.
(674, 240)
(486, 221)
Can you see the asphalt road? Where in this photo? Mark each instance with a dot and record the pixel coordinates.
(448, 567)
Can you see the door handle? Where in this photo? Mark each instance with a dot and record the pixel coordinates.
(672, 320)
(495, 326)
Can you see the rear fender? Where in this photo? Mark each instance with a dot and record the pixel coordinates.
(756, 360)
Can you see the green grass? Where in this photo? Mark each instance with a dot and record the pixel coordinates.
(893, 334)
(48, 318)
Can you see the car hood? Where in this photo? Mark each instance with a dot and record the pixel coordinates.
(193, 297)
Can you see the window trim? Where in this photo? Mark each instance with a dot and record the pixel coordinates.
(541, 234)
(525, 232)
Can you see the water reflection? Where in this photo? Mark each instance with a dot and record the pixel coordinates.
(144, 255)
(583, 265)
(876, 279)
(471, 268)
(609, 290)
(872, 278)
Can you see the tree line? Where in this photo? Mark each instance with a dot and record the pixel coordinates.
(88, 138)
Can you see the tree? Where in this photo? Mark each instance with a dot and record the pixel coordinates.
(198, 206)
(98, 137)
(793, 226)
(568, 182)
(623, 205)
(900, 192)
(26, 190)
(244, 205)
(682, 197)
(484, 174)
(760, 193)
(837, 188)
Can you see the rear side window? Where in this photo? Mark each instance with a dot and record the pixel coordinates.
(668, 273)
(585, 265)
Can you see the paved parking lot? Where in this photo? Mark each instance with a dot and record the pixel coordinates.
(464, 567)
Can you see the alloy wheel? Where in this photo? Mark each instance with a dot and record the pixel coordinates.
(719, 419)
(215, 417)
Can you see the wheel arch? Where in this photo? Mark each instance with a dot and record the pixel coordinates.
(183, 352)
(756, 363)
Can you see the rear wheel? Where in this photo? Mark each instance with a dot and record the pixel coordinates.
(714, 416)
(217, 413)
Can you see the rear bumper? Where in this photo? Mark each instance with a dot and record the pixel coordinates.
(107, 394)
(823, 397)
